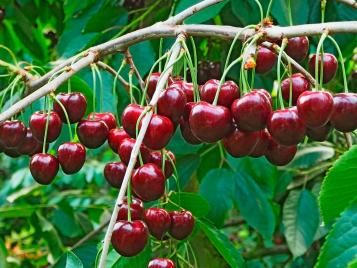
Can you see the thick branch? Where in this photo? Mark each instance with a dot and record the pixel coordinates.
(351, 3)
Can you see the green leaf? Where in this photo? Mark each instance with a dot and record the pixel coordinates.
(222, 244)
(3, 254)
(71, 260)
(186, 166)
(66, 223)
(144, 56)
(299, 10)
(140, 260)
(190, 201)
(18, 211)
(300, 228)
(310, 156)
(339, 187)
(340, 245)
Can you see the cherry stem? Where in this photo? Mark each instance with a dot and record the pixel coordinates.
(65, 114)
(289, 12)
(12, 88)
(12, 55)
(46, 127)
(147, 108)
(323, 9)
(69, 89)
(322, 38)
(132, 99)
(290, 84)
(193, 70)
(194, 56)
(160, 53)
(176, 176)
(94, 86)
(184, 68)
(269, 8)
(114, 92)
(101, 87)
(128, 200)
(283, 46)
(260, 11)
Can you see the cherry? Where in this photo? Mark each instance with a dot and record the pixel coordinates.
(261, 147)
(299, 84)
(265, 93)
(161, 263)
(319, 134)
(12, 152)
(148, 182)
(252, 111)
(108, 118)
(329, 69)
(186, 87)
(241, 143)
(129, 238)
(156, 158)
(265, 60)
(115, 138)
(71, 156)
(130, 117)
(152, 83)
(114, 173)
(159, 132)
(126, 148)
(182, 223)
(12, 133)
(136, 209)
(210, 123)
(315, 108)
(298, 47)
(344, 117)
(187, 110)
(29, 146)
(92, 133)
(187, 134)
(158, 221)
(38, 125)
(286, 127)
(280, 155)
(228, 93)
(44, 168)
(75, 104)
(172, 103)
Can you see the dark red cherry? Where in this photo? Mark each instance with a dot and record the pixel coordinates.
(148, 182)
(299, 84)
(44, 168)
(12, 133)
(315, 108)
(186, 87)
(261, 147)
(156, 158)
(92, 133)
(161, 263)
(129, 238)
(330, 66)
(187, 134)
(319, 134)
(344, 116)
(12, 152)
(228, 93)
(158, 221)
(210, 123)
(136, 209)
(29, 146)
(159, 132)
(280, 155)
(298, 47)
(130, 117)
(172, 103)
(38, 125)
(75, 104)
(265, 60)
(251, 112)
(152, 83)
(127, 146)
(114, 173)
(108, 118)
(115, 137)
(265, 93)
(182, 223)
(286, 127)
(241, 143)
(71, 156)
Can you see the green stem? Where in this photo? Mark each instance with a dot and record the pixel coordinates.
(291, 85)
(115, 95)
(132, 99)
(101, 103)
(323, 36)
(12, 55)
(283, 45)
(323, 9)
(193, 71)
(128, 200)
(290, 15)
(46, 127)
(195, 61)
(94, 87)
(269, 8)
(160, 53)
(69, 89)
(260, 11)
(66, 115)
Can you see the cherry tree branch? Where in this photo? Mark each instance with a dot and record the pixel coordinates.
(351, 3)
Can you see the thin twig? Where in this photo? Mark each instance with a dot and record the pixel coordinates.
(90, 235)
(130, 61)
(110, 70)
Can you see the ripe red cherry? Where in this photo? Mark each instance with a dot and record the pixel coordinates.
(158, 221)
(129, 238)
(280, 155)
(114, 173)
(127, 146)
(38, 125)
(187, 134)
(136, 209)
(71, 156)
(241, 143)
(148, 182)
(159, 132)
(12, 152)
(228, 93)
(115, 138)
(92, 133)
(265, 93)
(75, 104)
(344, 116)
(330, 66)
(286, 127)
(172, 103)
(210, 123)
(298, 47)
(12, 133)
(161, 263)
(265, 60)
(261, 147)
(319, 134)
(152, 82)
(315, 108)
(251, 112)
(156, 158)
(29, 146)
(299, 84)
(182, 223)
(44, 168)
(186, 87)
(108, 118)
(129, 118)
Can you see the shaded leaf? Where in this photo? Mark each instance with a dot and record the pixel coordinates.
(190, 201)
